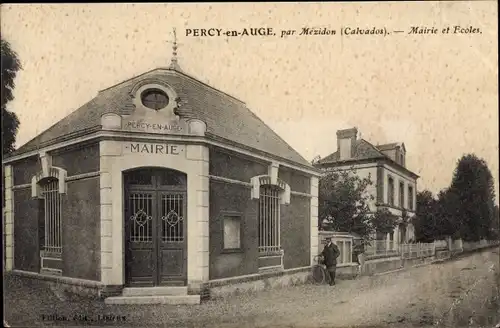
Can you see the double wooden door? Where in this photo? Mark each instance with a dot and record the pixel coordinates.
(155, 228)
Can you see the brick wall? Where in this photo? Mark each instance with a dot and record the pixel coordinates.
(227, 198)
(81, 230)
(26, 236)
(295, 232)
(297, 181)
(25, 169)
(232, 166)
(83, 159)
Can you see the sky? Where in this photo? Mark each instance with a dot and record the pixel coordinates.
(437, 93)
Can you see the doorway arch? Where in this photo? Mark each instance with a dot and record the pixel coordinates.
(155, 222)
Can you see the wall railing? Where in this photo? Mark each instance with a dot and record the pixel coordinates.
(418, 250)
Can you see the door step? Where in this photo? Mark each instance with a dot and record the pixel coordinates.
(155, 291)
(155, 299)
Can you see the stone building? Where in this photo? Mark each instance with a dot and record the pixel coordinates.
(394, 185)
(158, 189)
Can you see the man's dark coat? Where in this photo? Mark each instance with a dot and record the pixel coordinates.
(330, 254)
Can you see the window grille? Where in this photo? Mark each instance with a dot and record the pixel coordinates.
(269, 220)
(141, 209)
(172, 217)
(52, 217)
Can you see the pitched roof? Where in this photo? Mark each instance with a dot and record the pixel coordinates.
(390, 146)
(227, 118)
(362, 150)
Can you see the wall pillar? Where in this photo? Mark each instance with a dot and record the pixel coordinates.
(8, 219)
(346, 252)
(410, 231)
(198, 220)
(111, 227)
(314, 218)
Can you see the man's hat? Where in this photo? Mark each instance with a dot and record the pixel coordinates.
(328, 238)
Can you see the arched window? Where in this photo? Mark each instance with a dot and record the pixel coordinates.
(269, 219)
(51, 230)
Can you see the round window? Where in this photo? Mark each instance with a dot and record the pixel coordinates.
(155, 99)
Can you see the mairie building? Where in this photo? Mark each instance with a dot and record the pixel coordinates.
(160, 185)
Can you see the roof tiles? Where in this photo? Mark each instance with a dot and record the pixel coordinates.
(226, 117)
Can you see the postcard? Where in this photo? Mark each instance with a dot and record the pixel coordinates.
(328, 164)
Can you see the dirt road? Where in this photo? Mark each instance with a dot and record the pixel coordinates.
(458, 293)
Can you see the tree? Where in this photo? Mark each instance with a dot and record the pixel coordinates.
(433, 219)
(495, 224)
(10, 65)
(425, 217)
(383, 221)
(343, 203)
(470, 199)
(10, 123)
(446, 213)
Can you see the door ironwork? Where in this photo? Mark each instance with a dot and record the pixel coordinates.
(155, 224)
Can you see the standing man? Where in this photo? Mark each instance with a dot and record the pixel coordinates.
(330, 254)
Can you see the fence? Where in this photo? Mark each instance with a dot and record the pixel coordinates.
(418, 250)
(471, 245)
(456, 245)
(345, 243)
(380, 247)
(441, 244)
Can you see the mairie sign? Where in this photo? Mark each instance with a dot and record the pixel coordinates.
(153, 148)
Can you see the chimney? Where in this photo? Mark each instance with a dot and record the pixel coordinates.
(346, 141)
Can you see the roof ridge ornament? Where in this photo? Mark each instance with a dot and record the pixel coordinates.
(174, 65)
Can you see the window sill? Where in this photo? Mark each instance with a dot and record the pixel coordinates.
(270, 254)
(50, 272)
(52, 255)
(395, 207)
(232, 251)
